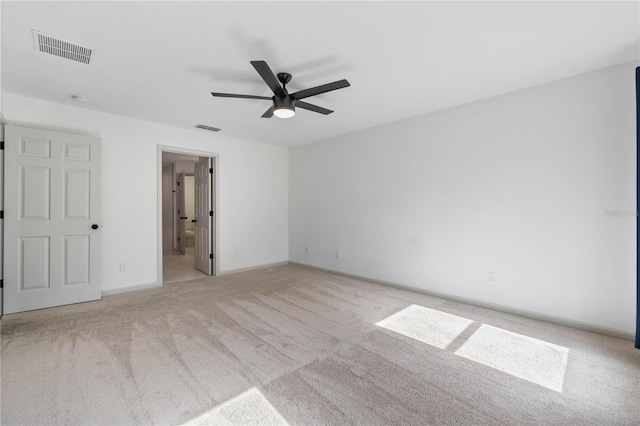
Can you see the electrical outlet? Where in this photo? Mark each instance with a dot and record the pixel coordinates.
(338, 254)
(492, 278)
(123, 267)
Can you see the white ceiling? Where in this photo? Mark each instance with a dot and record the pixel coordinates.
(159, 61)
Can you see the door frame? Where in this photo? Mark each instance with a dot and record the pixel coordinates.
(216, 200)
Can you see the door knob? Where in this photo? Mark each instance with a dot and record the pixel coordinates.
(94, 226)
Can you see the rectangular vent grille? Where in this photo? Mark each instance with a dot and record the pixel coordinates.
(64, 49)
(205, 127)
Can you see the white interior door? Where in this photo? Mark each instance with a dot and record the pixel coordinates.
(182, 212)
(167, 207)
(204, 237)
(52, 218)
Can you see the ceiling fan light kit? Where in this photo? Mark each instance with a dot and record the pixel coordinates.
(284, 111)
(284, 104)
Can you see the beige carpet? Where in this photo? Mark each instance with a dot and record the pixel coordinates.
(290, 345)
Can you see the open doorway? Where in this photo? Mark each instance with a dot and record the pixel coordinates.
(187, 240)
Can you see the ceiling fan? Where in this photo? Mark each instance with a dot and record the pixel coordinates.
(284, 103)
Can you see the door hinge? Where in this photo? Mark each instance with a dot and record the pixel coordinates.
(178, 238)
(178, 183)
(1, 214)
(1, 283)
(210, 169)
(210, 212)
(2, 146)
(211, 256)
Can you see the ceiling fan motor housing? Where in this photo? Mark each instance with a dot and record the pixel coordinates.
(284, 106)
(288, 101)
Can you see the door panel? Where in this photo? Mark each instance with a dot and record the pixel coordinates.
(30, 147)
(76, 259)
(35, 193)
(182, 213)
(51, 253)
(77, 152)
(77, 194)
(34, 263)
(204, 218)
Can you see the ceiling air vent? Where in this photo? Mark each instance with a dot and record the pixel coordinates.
(205, 127)
(48, 44)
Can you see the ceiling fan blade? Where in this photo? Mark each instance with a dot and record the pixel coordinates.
(314, 108)
(233, 95)
(321, 89)
(268, 77)
(268, 113)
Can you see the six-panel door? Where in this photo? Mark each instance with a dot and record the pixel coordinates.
(52, 204)
(204, 216)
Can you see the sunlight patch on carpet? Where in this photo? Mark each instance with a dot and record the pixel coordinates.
(248, 408)
(426, 325)
(521, 356)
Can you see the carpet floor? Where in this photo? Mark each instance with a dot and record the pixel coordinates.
(292, 345)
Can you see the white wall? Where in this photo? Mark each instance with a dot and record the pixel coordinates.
(253, 188)
(516, 184)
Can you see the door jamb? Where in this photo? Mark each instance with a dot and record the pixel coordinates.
(216, 200)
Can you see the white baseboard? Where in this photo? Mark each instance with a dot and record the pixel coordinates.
(111, 291)
(252, 268)
(493, 306)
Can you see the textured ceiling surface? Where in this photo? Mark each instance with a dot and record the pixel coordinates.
(159, 61)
